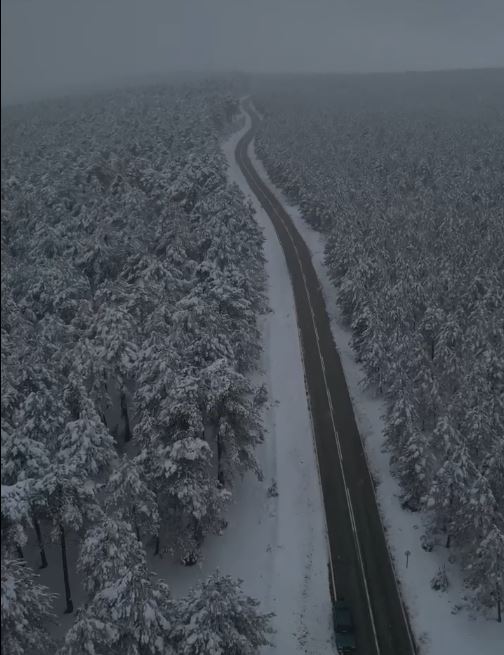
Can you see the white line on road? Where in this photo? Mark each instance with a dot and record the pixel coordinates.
(253, 174)
(403, 610)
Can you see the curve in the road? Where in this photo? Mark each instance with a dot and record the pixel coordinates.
(361, 567)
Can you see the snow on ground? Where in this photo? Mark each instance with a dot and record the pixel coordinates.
(440, 622)
(275, 543)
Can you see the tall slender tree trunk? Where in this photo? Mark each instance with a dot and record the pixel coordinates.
(68, 593)
(157, 546)
(19, 552)
(124, 413)
(220, 455)
(447, 523)
(199, 537)
(40, 541)
(499, 607)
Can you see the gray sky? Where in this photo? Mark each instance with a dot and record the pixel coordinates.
(50, 45)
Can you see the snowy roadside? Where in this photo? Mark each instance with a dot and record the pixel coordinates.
(440, 625)
(277, 545)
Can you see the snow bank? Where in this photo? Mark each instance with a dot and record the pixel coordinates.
(441, 625)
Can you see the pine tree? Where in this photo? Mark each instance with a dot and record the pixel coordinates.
(128, 497)
(83, 450)
(451, 483)
(477, 516)
(109, 550)
(414, 464)
(401, 419)
(197, 333)
(229, 410)
(216, 618)
(189, 498)
(131, 615)
(16, 516)
(25, 453)
(485, 573)
(89, 635)
(26, 611)
(112, 337)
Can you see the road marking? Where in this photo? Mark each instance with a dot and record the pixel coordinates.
(253, 174)
(308, 399)
(335, 432)
(396, 582)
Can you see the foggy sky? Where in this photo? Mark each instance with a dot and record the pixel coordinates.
(58, 45)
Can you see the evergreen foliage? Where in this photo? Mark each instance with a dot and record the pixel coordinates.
(403, 176)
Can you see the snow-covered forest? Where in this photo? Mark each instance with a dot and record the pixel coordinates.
(132, 277)
(404, 177)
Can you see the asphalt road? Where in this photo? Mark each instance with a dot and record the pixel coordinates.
(360, 567)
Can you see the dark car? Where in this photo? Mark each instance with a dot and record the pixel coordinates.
(343, 627)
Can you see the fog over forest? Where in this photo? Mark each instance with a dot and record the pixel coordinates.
(252, 327)
(54, 46)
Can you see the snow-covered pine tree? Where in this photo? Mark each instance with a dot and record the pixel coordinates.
(481, 511)
(485, 573)
(155, 378)
(26, 450)
(492, 467)
(450, 486)
(217, 618)
(112, 337)
(128, 497)
(229, 410)
(189, 498)
(230, 274)
(413, 464)
(15, 517)
(109, 549)
(130, 615)
(401, 420)
(26, 611)
(89, 635)
(177, 458)
(198, 334)
(82, 451)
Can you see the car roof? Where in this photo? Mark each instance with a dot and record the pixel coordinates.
(345, 639)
